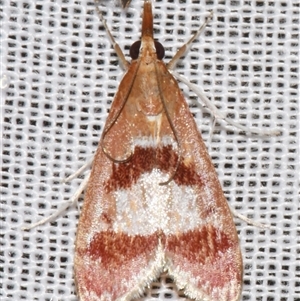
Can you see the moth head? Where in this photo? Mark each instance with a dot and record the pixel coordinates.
(136, 47)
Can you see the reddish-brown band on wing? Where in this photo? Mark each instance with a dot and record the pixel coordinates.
(111, 264)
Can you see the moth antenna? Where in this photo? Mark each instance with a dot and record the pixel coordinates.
(111, 124)
(181, 51)
(105, 132)
(125, 64)
(116, 160)
(173, 131)
(173, 174)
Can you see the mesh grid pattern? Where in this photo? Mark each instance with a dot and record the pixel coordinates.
(62, 76)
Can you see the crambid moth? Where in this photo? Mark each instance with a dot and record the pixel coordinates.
(153, 202)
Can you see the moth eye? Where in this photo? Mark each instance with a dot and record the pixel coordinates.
(135, 50)
(160, 50)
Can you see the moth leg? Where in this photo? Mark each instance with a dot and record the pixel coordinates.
(115, 45)
(220, 115)
(4, 82)
(185, 48)
(63, 208)
(79, 171)
(125, 3)
(249, 221)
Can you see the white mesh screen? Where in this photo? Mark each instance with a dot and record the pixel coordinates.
(62, 75)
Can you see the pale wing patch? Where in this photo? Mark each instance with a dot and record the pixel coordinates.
(148, 206)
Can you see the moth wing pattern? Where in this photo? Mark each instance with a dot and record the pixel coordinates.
(154, 202)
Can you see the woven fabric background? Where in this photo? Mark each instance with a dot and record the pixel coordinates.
(59, 74)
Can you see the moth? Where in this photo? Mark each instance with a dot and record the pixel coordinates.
(154, 203)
